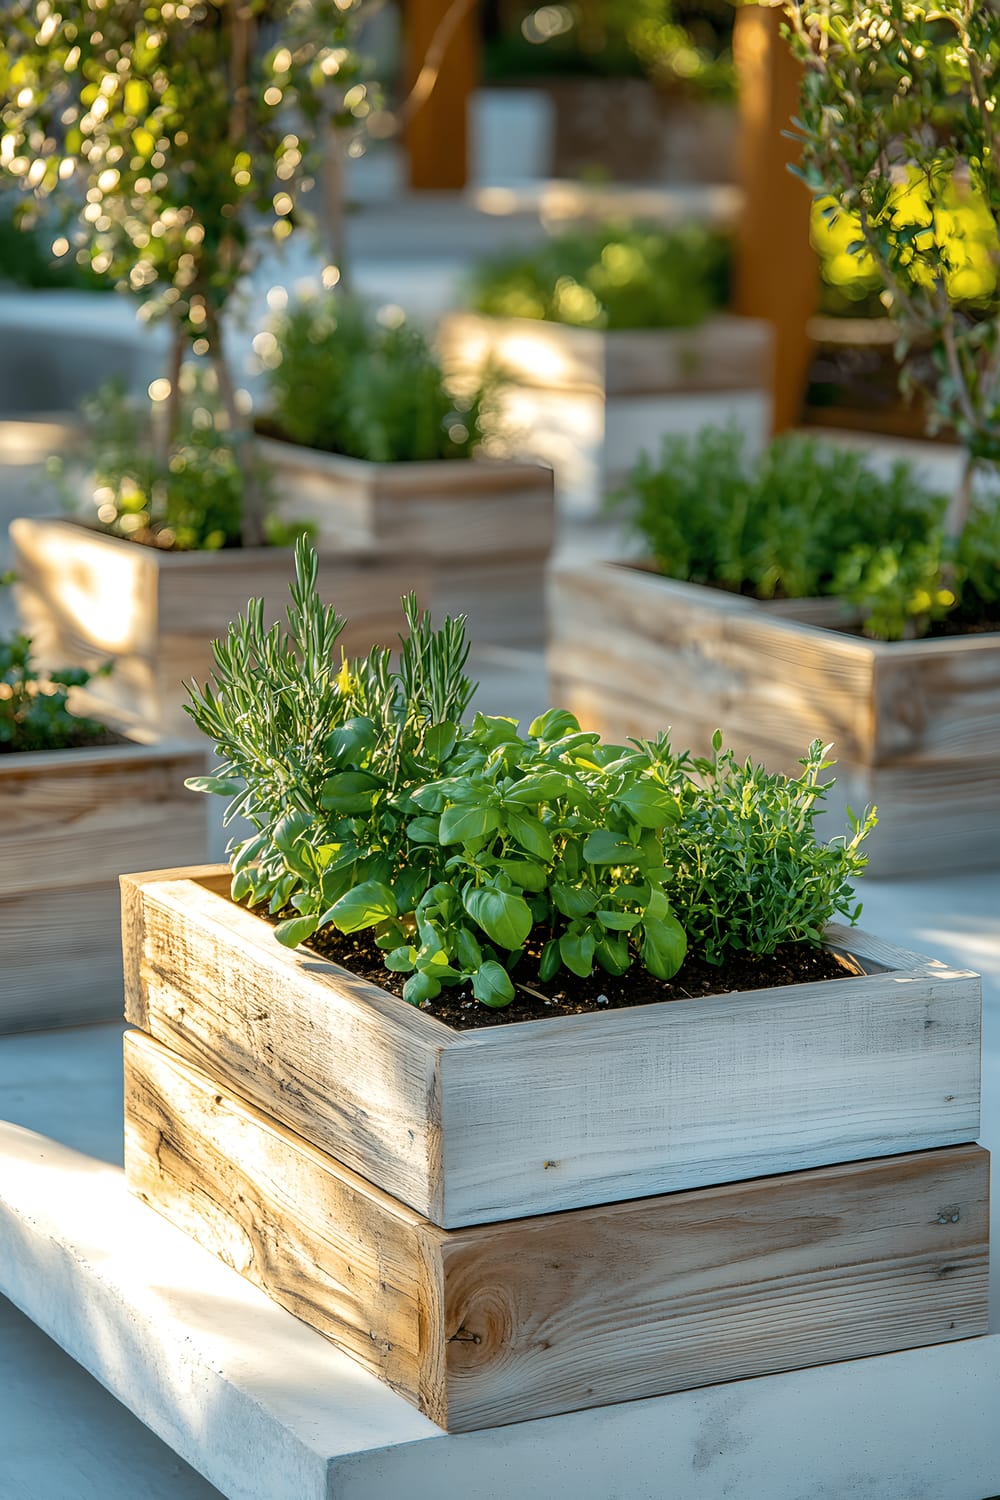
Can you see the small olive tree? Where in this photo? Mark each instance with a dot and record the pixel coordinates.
(900, 108)
(178, 136)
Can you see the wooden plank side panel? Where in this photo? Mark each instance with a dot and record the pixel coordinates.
(87, 815)
(336, 1059)
(724, 354)
(684, 650)
(938, 702)
(84, 598)
(533, 1317)
(615, 1303)
(62, 962)
(557, 1114)
(321, 1242)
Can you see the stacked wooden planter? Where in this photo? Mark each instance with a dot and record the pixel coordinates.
(482, 530)
(509, 1223)
(913, 724)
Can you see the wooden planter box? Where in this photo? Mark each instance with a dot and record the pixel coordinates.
(483, 529)
(507, 1322)
(590, 402)
(85, 598)
(478, 1126)
(70, 822)
(913, 724)
(726, 353)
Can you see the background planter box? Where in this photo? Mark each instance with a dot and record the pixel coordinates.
(483, 529)
(913, 724)
(590, 402)
(86, 598)
(70, 822)
(475, 1127)
(726, 353)
(499, 1324)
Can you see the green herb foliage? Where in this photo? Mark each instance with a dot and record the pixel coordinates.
(185, 497)
(807, 519)
(347, 381)
(611, 277)
(34, 712)
(375, 806)
(897, 127)
(683, 48)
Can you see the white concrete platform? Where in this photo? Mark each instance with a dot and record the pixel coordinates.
(267, 1410)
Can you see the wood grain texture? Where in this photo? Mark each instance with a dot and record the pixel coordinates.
(342, 1062)
(478, 1126)
(87, 598)
(525, 1319)
(912, 724)
(724, 354)
(70, 822)
(483, 529)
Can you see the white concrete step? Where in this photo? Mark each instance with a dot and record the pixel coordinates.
(268, 1410)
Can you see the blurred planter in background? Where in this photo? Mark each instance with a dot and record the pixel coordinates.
(379, 453)
(603, 340)
(86, 597)
(71, 821)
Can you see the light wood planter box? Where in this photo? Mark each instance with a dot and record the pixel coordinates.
(482, 528)
(86, 598)
(70, 822)
(474, 1127)
(913, 725)
(507, 1322)
(726, 353)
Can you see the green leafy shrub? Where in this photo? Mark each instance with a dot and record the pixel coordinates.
(683, 48)
(344, 381)
(26, 255)
(897, 126)
(808, 519)
(464, 845)
(611, 277)
(34, 706)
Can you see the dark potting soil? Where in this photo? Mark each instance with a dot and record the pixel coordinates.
(567, 995)
(81, 741)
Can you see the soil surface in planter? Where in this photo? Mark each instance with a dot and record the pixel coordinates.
(567, 995)
(81, 741)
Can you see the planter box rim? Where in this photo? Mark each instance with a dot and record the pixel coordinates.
(524, 469)
(722, 315)
(743, 603)
(91, 757)
(849, 941)
(227, 557)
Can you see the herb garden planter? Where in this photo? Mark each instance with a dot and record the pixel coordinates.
(612, 384)
(88, 598)
(913, 724)
(70, 822)
(276, 1102)
(484, 529)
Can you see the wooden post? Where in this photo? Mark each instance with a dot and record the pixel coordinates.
(437, 135)
(777, 275)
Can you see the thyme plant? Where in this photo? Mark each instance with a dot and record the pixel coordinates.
(461, 845)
